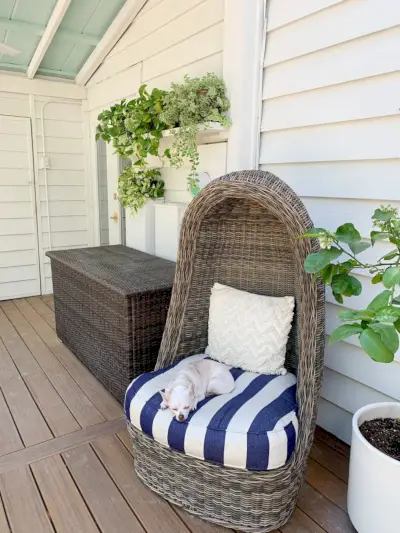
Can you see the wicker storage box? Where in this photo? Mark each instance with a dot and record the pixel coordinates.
(111, 304)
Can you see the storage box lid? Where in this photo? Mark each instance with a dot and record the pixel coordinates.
(118, 267)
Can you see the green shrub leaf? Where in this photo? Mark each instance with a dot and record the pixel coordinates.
(313, 232)
(347, 233)
(342, 332)
(317, 261)
(388, 335)
(391, 277)
(358, 247)
(373, 345)
(349, 314)
(383, 216)
(347, 285)
(379, 301)
(378, 236)
(377, 278)
(388, 314)
(391, 255)
(338, 297)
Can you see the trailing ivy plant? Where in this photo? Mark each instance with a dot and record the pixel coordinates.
(137, 185)
(377, 327)
(135, 127)
(195, 102)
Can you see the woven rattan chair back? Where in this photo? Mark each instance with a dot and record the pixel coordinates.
(241, 230)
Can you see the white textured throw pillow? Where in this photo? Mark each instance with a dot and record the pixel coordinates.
(249, 331)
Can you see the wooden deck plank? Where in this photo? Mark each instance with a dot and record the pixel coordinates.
(58, 445)
(331, 459)
(197, 525)
(67, 509)
(301, 523)
(153, 512)
(3, 520)
(44, 310)
(9, 437)
(46, 397)
(104, 500)
(330, 517)
(332, 441)
(324, 481)
(98, 395)
(23, 504)
(82, 409)
(126, 440)
(48, 299)
(26, 415)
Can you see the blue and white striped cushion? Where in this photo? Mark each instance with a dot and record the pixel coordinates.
(253, 428)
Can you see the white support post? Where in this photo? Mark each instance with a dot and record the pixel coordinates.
(51, 29)
(244, 29)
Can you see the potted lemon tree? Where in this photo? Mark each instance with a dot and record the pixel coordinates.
(374, 479)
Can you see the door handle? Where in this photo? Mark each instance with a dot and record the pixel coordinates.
(115, 216)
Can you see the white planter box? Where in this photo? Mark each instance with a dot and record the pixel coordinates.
(140, 232)
(168, 219)
(374, 480)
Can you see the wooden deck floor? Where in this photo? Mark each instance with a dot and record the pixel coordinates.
(65, 459)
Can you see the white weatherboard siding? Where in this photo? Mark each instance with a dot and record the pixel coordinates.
(64, 211)
(25, 207)
(19, 260)
(330, 128)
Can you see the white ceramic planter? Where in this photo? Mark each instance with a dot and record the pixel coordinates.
(374, 480)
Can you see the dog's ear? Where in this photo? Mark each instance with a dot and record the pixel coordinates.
(164, 397)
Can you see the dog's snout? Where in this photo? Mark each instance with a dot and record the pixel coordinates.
(181, 418)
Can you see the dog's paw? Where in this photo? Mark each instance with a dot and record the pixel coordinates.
(163, 405)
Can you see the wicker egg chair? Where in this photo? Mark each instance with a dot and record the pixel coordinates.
(240, 231)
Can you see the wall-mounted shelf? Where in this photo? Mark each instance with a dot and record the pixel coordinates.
(214, 130)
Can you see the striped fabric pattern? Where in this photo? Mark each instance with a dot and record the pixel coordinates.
(253, 428)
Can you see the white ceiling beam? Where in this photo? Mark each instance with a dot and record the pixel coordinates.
(120, 24)
(48, 35)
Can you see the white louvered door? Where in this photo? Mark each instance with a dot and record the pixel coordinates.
(19, 259)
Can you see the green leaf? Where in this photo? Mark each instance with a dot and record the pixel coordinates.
(342, 332)
(347, 285)
(388, 314)
(378, 236)
(338, 297)
(327, 273)
(358, 247)
(313, 232)
(316, 261)
(395, 241)
(379, 301)
(396, 301)
(397, 325)
(391, 255)
(388, 335)
(377, 278)
(346, 266)
(373, 345)
(349, 314)
(347, 233)
(384, 216)
(391, 277)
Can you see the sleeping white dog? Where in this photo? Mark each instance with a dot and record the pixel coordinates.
(193, 383)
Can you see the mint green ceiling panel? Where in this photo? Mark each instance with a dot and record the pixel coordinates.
(22, 22)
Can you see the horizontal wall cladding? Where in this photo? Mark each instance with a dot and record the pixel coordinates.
(330, 128)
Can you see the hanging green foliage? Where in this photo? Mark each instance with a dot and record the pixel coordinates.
(136, 186)
(188, 105)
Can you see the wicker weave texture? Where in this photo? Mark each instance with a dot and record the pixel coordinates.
(111, 304)
(241, 230)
